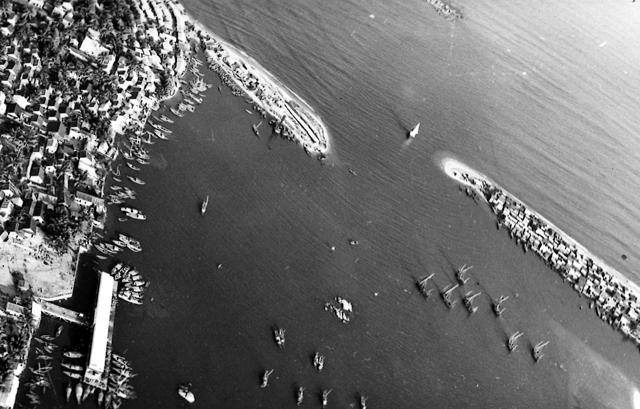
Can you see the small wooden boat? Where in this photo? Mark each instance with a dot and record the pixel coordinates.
(73, 354)
(72, 374)
(68, 392)
(184, 391)
(203, 208)
(300, 396)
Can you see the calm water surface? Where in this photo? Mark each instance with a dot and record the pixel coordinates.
(542, 97)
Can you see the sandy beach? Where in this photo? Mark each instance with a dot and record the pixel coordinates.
(50, 275)
(456, 169)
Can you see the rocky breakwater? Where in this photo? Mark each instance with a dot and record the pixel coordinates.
(614, 298)
(293, 118)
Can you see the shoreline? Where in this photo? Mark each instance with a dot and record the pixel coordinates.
(589, 274)
(265, 90)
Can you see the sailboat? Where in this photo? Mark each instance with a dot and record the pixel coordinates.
(414, 132)
(203, 209)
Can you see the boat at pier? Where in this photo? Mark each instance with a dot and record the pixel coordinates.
(72, 367)
(68, 391)
(79, 392)
(414, 132)
(73, 354)
(205, 203)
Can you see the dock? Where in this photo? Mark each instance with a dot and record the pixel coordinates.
(64, 314)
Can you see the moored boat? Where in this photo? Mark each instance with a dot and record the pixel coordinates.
(79, 392)
(136, 180)
(68, 391)
(73, 354)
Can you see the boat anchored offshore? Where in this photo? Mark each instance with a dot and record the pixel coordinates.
(318, 361)
(185, 393)
(325, 397)
(265, 378)
(203, 208)
(300, 396)
(537, 350)
(278, 335)
(414, 132)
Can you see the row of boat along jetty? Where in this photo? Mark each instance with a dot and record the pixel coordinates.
(131, 283)
(117, 245)
(71, 364)
(448, 297)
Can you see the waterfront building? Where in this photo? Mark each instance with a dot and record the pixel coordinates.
(100, 352)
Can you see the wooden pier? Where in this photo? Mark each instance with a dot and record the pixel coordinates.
(64, 314)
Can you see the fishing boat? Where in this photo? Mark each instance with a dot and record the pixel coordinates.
(100, 397)
(512, 342)
(184, 391)
(300, 396)
(278, 335)
(73, 354)
(265, 378)
(116, 179)
(203, 208)
(318, 361)
(133, 167)
(255, 128)
(136, 180)
(422, 285)
(87, 391)
(72, 367)
(414, 132)
(497, 307)
(468, 301)
(461, 274)
(325, 397)
(363, 402)
(68, 392)
(79, 392)
(165, 118)
(134, 246)
(537, 350)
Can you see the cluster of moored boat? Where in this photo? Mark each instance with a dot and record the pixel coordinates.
(193, 95)
(342, 309)
(448, 292)
(131, 281)
(43, 364)
(117, 245)
(133, 213)
(119, 194)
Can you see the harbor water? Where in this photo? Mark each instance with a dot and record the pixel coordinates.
(538, 96)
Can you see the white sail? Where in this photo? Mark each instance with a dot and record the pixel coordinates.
(414, 131)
